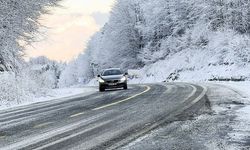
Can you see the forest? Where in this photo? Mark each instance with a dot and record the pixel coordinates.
(195, 40)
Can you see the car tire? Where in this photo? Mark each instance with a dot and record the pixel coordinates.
(101, 89)
(125, 87)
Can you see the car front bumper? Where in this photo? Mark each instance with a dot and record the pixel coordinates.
(112, 85)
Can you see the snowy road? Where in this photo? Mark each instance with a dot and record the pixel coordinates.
(97, 121)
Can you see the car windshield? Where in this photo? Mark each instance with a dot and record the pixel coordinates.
(111, 72)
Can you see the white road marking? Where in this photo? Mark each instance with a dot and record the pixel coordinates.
(124, 100)
(170, 87)
(191, 94)
(76, 115)
(200, 96)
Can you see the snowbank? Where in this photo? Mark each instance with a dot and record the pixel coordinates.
(242, 125)
(15, 90)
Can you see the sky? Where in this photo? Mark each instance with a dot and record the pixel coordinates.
(68, 28)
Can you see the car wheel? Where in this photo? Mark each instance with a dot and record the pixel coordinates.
(125, 87)
(101, 89)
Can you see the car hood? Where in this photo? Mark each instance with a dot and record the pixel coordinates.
(113, 77)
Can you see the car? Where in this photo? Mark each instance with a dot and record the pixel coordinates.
(112, 78)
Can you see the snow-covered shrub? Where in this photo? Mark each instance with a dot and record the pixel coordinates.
(35, 80)
(19, 89)
(10, 90)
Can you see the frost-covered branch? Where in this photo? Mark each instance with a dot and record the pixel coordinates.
(19, 21)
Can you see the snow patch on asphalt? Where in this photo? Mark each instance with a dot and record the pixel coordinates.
(241, 126)
(66, 92)
(54, 94)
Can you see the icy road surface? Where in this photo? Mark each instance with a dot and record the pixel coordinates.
(106, 120)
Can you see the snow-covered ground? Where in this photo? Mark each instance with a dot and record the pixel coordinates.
(55, 94)
(241, 126)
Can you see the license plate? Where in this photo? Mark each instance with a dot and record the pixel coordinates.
(112, 84)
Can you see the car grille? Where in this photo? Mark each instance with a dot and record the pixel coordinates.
(113, 81)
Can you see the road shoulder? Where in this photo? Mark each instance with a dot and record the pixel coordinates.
(215, 126)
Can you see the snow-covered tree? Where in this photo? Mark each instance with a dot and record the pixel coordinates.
(77, 72)
(18, 23)
(141, 33)
(120, 40)
(18, 26)
(46, 72)
(124, 32)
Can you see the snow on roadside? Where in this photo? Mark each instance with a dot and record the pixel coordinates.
(65, 92)
(241, 131)
(54, 94)
(242, 87)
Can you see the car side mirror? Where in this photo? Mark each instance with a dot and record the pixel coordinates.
(98, 76)
(126, 74)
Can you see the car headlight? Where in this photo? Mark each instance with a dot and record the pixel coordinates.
(123, 79)
(101, 80)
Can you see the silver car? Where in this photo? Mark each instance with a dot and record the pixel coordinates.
(112, 78)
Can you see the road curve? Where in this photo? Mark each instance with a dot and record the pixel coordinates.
(104, 120)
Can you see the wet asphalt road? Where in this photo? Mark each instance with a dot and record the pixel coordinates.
(106, 120)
